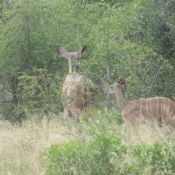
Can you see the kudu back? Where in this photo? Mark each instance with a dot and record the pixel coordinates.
(78, 91)
(158, 109)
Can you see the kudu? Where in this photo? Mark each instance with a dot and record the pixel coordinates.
(78, 92)
(158, 109)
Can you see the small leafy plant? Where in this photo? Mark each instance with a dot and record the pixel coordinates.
(95, 156)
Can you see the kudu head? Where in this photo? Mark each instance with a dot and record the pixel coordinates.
(119, 84)
(73, 57)
(118, 89)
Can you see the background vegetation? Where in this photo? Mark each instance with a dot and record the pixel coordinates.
(125, 38)
(132, 39)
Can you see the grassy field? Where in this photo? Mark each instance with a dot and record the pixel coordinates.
(21, 146)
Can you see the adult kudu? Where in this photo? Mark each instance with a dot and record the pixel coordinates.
(78, 92)
(158, 109)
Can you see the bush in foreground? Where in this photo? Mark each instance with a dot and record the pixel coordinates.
(107, 152)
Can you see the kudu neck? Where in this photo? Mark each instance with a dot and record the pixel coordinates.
(70, 65)
(120, 96)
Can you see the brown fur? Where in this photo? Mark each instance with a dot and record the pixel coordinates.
(77, 95)
(78, 92)
(158, 109)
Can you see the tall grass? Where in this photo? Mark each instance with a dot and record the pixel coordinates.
(110, 148)
(107, 147)
(20, 146)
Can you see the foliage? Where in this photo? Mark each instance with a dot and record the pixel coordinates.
(78, 159)
(93, 156)
(133, 39)
(102, 150)
(154, 27)
(39, 91)
(158, 157)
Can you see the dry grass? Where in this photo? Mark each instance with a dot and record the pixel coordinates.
(20, 146)
(148, 134)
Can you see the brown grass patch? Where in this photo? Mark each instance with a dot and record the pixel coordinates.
(20, 146)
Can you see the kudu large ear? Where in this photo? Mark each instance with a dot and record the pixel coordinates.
(63, 52)
(78, 54)
(83, 49)
(74, 55)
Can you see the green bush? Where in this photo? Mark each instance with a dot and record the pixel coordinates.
(97, 154)
(159, 157)
(155, 159)
(105, 150)
(93, 158)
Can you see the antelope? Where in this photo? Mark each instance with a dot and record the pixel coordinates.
(158, 109)
(78, 91)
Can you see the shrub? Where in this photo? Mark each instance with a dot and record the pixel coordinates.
(93, 157)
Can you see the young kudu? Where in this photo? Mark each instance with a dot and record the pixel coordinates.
(158, 109)
(78, 92)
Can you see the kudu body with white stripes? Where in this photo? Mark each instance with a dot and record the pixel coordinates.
(78, 92)
(157, 109)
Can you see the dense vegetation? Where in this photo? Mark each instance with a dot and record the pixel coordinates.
(125, 38)
(108, 149)
(132, 39)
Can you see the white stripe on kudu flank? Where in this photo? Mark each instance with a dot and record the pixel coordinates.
(160, 109)
(157, 105)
